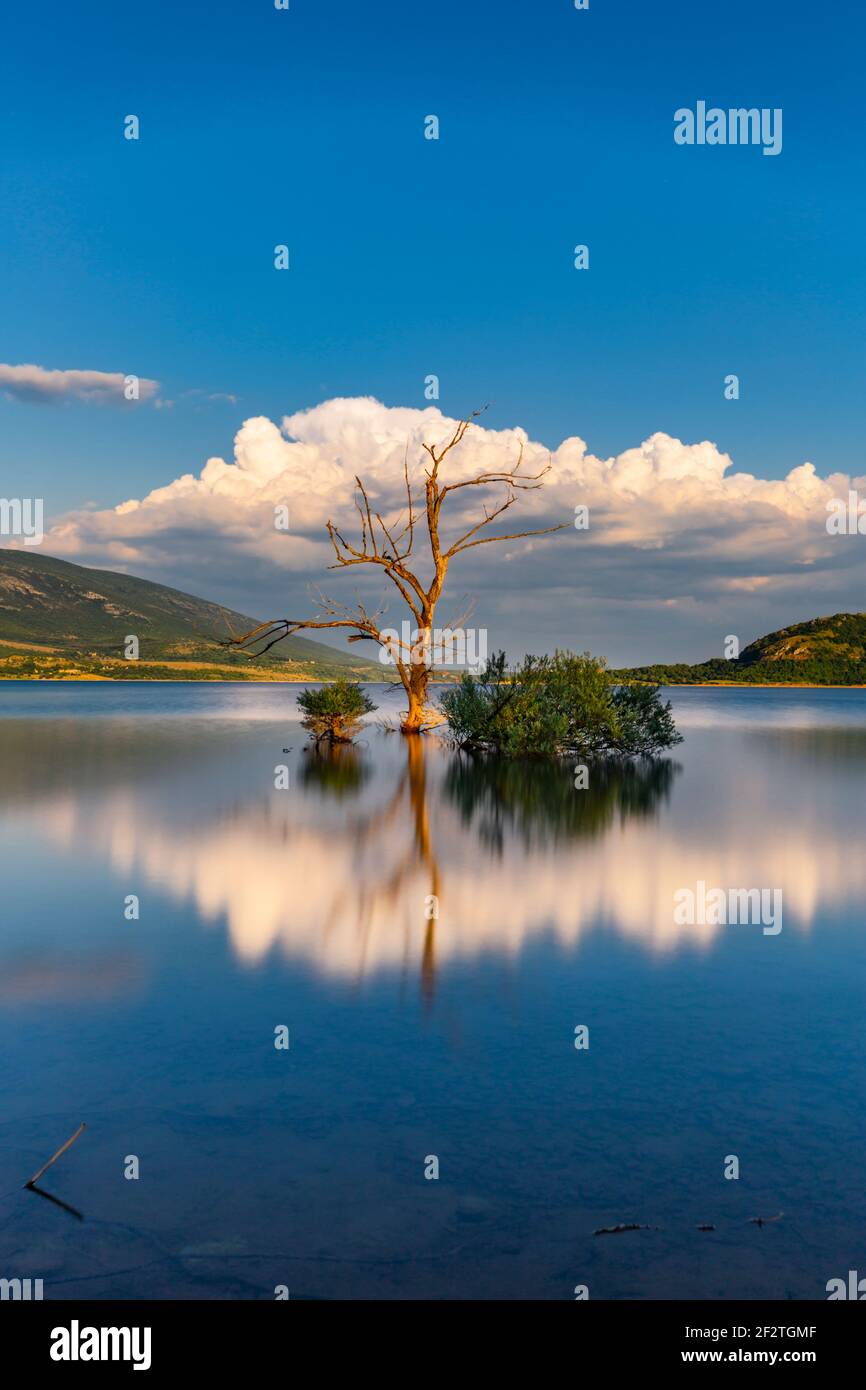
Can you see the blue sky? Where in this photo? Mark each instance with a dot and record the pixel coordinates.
(411, 257)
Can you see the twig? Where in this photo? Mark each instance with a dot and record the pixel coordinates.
(62, 1150)
(624, 1226)
(764, 1220)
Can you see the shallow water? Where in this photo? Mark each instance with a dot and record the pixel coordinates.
(307, 907)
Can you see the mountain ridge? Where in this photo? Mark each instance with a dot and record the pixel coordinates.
(59, 620)
(74, 620)
(820, 651)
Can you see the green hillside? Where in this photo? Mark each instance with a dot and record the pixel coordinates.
(824, 651)
(64, 620)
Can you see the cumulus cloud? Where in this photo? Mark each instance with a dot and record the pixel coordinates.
(38, 385)
(672, 524)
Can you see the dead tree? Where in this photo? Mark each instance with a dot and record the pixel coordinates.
(392, 549)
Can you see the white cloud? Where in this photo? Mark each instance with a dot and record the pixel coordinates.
(671, 523)
(28, 382)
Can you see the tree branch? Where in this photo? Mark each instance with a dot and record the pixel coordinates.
(515, 536)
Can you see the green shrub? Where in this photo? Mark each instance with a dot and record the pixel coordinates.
(553, 705)
(335, 712)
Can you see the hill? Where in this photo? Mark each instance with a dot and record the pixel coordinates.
(64, 621)
(823, 651)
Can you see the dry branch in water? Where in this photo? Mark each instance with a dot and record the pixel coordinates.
(62, 1150)
(625, 1226)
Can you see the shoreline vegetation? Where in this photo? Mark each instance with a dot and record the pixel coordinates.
(85, 679)
(32, 661)
(751, 685)
(824, 652)
(64, 622)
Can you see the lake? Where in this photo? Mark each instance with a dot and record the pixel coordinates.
(306, 900)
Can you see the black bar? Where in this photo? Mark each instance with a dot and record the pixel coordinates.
(254, 1337)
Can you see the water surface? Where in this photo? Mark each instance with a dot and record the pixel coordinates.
(414, 1035)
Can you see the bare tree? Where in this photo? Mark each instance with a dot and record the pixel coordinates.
(392, 549)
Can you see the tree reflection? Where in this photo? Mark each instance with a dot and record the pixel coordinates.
(337, 769)
(540, 802)
(409, 803)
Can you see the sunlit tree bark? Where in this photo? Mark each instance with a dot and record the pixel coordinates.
(392, 549)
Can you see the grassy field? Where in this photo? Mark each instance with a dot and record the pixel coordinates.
(31, 661)
(60, 621)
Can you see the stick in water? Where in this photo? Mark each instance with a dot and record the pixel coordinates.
(68, 1145)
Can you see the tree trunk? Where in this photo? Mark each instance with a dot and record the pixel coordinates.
(416, 690)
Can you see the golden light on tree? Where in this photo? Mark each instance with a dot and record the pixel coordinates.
(391, 547)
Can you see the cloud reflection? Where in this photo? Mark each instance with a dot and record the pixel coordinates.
(337, 871)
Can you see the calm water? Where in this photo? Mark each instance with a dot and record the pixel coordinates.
(453, 1037)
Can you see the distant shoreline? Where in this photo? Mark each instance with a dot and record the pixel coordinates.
(362, 680)
(750, 685)
(179, 680)
(176, 680)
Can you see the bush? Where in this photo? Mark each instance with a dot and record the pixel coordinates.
(335, 712)
(553, 705)
(645, 724)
